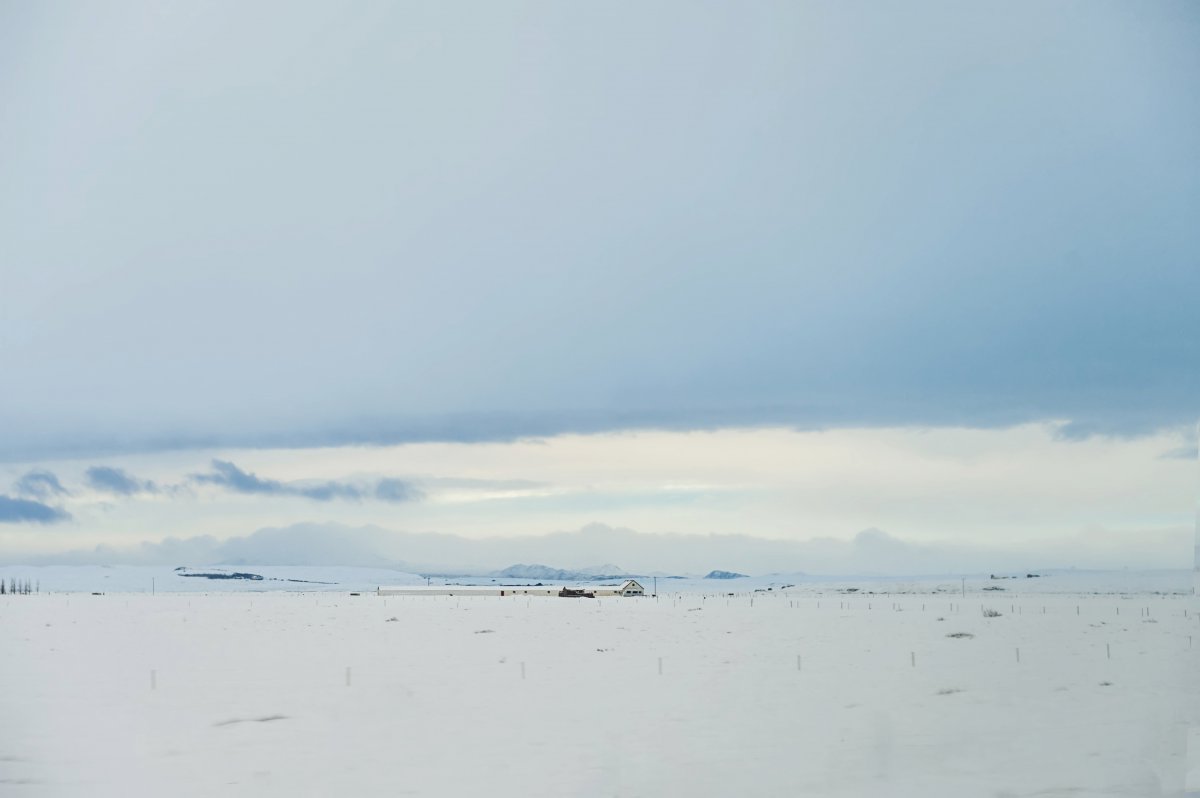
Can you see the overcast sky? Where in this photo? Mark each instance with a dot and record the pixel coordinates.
(787, 270)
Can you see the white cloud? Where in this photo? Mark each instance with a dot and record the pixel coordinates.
(1023, 488)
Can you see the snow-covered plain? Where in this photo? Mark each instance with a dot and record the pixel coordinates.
(808, 691)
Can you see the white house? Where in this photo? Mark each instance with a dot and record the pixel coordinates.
(627, 588)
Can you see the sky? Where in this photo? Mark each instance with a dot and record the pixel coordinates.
(715, 278)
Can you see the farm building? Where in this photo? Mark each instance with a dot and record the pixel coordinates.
(629, 587)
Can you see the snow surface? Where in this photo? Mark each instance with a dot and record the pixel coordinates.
(340, 579)
(160, 579)
(248, 693)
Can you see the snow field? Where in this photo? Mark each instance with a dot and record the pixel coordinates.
(322, 694)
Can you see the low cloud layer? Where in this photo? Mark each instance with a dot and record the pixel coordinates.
(396, 490)
(39, 484)
(34, 490)
(118, 481)
(1186, 452)
(17, 511)
(872, 551)
(227, 475)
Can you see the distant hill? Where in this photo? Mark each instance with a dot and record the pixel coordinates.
(724, 575)
(544, 572)
(606, 570)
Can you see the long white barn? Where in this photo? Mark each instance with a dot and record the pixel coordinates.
(629, 587)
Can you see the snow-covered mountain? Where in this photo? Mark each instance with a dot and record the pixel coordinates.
(545, 572)
(605, 570)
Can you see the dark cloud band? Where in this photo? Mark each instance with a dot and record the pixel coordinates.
(118, 481)
(40, 485)
(17, 511)
(227, 475)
